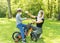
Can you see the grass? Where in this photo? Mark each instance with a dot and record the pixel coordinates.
(51, 31)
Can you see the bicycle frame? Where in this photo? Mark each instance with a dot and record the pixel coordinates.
(29, 29)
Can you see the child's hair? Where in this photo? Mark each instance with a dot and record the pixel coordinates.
(19, 10)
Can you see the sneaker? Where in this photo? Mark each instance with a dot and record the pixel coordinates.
(24, 41)
(40, 36)
(16, 40)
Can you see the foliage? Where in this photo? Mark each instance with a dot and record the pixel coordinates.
(50, 7)
(3, 8)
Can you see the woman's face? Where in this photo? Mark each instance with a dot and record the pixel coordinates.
(41, 14)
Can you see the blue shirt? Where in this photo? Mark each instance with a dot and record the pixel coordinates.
(19, 19)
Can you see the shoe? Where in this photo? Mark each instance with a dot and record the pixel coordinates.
(40, 36)
(16, 40)
(24, 41)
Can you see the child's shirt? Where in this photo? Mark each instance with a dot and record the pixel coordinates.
(19, 19)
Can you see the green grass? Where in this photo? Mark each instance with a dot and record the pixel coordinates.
(51, 31)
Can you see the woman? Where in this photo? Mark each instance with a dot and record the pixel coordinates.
(39, 21)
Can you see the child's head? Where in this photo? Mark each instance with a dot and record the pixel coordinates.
(19, 10)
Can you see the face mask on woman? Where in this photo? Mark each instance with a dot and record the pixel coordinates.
(41, 14)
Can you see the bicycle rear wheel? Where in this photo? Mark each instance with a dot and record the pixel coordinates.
(16, 35)
(33, 37)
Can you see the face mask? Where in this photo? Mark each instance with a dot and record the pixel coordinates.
(20, 13)
(39, 14)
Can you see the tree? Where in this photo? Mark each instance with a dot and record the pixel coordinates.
(58, 9)
(3, 8)
(9, 9)
(49, 6)
(48, 9)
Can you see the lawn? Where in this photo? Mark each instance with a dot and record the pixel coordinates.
(51, 31)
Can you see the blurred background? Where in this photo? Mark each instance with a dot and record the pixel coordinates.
(51, 7)
(51, 26)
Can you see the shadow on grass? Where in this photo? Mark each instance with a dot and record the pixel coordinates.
(40, 40)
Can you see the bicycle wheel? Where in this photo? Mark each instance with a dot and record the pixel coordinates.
(33, 37)
(16, 35)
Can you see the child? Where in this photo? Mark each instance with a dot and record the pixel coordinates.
(19, 24)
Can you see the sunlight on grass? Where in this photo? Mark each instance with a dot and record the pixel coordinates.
(55, 23)
(6, 21)
(56, 41)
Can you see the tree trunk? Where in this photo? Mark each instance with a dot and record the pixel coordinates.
(51, 10)
(9, 9)
(48, 10)
(58, 9)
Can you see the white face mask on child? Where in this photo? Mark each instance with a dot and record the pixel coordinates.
(20, 13)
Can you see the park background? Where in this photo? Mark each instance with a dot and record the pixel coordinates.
(51, 26)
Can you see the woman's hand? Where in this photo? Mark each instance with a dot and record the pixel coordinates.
(26, 12)
(40, 21)
(33, 21)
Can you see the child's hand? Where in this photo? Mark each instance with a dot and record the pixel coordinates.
(32, 22)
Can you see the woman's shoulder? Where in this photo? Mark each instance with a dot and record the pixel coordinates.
(43, 19)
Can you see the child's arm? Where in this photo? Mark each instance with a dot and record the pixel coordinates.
(24, 18)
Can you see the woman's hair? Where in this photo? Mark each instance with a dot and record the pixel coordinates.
(41, 12)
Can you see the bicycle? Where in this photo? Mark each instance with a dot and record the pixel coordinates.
(29, 30)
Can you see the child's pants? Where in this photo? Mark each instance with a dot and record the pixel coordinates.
(20, 26)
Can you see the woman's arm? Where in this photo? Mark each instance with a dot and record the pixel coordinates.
(30, 14)
(40, 21)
